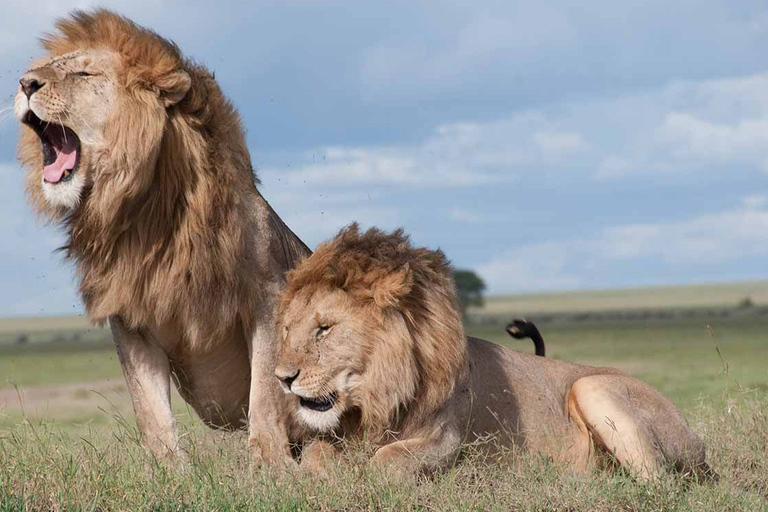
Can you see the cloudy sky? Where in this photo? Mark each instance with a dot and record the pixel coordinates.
(548, 145)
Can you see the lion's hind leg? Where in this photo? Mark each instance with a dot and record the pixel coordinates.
(635, 424)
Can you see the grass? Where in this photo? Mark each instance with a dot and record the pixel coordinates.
(655, 297)
(107, 470)
(58, 363)
(68, 439)
(680, 359)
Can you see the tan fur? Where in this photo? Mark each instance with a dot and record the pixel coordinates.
(171, 239)
(392, 288)
(359, 289)
(161, 177)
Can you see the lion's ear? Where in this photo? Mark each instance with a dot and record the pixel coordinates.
(388, 290)
(173, 87)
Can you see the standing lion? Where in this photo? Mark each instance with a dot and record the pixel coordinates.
(372, 344)
(136, 152)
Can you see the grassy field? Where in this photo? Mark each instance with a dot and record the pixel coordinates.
(658, 297)
(68, 440)
(45, 470)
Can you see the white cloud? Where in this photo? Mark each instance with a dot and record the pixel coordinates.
(689, 126)
(691, 137)
(706, 240)
(461, 154)
(701, 243)
(755, 201)
(613, 166)
(316, 213)
(559, 142)
(456, 75)
(533, 267)
(714, 125)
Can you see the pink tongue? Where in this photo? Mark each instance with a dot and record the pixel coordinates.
(66, 158)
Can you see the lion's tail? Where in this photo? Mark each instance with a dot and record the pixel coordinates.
(521, 329)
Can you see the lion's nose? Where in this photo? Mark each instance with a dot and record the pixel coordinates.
(30, 85)
(286, 376)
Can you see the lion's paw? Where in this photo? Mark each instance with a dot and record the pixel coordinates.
(265, 453)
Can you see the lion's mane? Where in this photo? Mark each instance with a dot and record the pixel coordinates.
(159, 236)
(387, 270)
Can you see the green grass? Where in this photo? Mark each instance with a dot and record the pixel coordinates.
(57, 363)
(680, 359)
(106, 470)
(654, 297)
(68, 439)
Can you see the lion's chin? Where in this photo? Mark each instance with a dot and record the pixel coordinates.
(65, 194)
(321, 414)
(325, 421)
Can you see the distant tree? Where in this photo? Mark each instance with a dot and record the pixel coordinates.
(745, 303)
(23, 339)
(470, 288)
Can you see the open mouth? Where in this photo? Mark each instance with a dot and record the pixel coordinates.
(320, 404)
(61, 148)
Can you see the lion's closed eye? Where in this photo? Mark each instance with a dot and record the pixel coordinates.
(84, 74)
(322, 330)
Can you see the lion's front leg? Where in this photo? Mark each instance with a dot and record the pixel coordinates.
(318, 456)
(148, 378)
(267, 415)
(436, 450)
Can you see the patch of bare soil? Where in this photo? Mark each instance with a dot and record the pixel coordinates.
(66, 401)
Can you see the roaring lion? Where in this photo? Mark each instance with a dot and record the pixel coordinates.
(372, 344)
(136, 152)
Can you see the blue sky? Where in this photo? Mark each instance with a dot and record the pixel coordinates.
(548, 145)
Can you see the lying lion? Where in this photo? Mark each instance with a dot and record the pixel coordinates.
(372, 343)
(136, 152)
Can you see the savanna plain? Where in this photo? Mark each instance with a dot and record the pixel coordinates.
(68, 439)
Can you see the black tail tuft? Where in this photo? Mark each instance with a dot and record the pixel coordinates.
(521, 329)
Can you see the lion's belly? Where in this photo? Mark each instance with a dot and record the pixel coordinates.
(520, 399)
(216, 383)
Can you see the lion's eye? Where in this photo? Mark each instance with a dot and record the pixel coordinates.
(83, 74)
(322, 330)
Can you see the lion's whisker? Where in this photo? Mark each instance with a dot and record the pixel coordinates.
(5, 116)
(61, 122)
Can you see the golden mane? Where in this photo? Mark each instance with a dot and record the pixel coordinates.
(149, 56)
(385, 269)
(159, 237)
